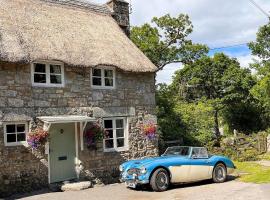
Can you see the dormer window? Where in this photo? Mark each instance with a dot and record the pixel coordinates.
(48, 74)
(103, 78)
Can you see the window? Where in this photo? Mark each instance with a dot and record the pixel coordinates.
(103, 78)
(115, 134)
(199, 152)
(48, 74)
(15, 134)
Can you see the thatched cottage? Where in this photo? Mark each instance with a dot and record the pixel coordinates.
(64, 65)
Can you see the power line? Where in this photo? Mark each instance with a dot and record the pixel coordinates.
(224, 47)
(260, 8)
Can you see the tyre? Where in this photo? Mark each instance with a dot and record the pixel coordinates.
(160, 180)
(220, 173)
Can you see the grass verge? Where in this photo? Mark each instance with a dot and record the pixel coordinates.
(253, 172)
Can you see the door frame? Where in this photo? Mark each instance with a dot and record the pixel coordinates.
(76, 148)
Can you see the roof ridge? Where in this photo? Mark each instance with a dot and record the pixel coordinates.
(99, 8)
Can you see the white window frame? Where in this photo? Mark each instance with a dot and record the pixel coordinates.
(22, 143)
(115, 148)
(47, 72)
(102, 86)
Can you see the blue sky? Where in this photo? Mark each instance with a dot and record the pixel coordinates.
(217, 23)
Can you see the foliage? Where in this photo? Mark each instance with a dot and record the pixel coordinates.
(265, 156)
(170, 123)
(253, 172)
(93, 133)
(218, 81)
(165, 41)
(37, 138)
(198, 120)
(244, 116)
(261, 48)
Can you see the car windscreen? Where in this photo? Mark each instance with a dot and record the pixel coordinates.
(180, 151)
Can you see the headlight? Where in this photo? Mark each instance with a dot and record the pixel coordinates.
(143, 170)
(121, 168)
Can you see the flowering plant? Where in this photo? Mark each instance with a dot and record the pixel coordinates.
(37, 137)
(149, 130)
(93, 133)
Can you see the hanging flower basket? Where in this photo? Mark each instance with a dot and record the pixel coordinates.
(149, 129)
(37, 138)
(93, 134)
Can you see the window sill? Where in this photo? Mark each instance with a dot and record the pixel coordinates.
(116, 150)
(48, 85)
(14, 144)
(102, 87)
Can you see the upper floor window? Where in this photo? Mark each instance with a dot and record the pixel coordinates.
(48, 74)
(115, 134)
(103, 78)
(15, 134)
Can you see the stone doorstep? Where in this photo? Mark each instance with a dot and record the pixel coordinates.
(77, 186)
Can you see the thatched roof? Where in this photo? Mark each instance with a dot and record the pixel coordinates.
(74, 32)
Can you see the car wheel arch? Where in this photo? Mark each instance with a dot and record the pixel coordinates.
(161, 167)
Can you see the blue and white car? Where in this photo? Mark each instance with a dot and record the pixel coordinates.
(178, 164)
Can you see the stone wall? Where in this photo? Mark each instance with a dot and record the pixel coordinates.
(242, 147)
(134, 97)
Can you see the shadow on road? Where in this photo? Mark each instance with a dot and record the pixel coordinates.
(147, 188)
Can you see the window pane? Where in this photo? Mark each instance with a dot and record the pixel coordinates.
(11, 137)
(21, 137)
(108, 144)
(55, 69)
(97, 72)
(10, 128)
(40, 78)
(97, 81)
(120, 142)
(20, 128)
(108, 124)
(119, 123)
(108, 82)
(119, 133)
(108, 73)
(40, 68)
(56, 79)
(109, 134)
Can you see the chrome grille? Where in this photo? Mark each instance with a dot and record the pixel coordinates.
(133, 171)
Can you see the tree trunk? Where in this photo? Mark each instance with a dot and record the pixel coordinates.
(216, 127)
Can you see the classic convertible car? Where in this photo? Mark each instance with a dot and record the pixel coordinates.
(178, 164)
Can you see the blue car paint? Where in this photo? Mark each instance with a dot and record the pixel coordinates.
(165, 162)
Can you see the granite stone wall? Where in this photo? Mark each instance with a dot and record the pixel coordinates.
(23, 170)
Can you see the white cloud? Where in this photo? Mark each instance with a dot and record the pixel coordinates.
(216, 22)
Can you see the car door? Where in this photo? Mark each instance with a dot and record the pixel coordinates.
(180, 170)
(200, 168)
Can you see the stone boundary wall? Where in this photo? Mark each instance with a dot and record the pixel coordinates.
(242, 147)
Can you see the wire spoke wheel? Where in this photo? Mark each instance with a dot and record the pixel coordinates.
(160, 180)
(219, 173)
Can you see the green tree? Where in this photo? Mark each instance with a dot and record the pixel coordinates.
(165, 41)
(261, 48)
(218, 80)
(170, 123)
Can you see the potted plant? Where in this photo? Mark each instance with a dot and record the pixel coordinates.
(93, 134)
(37, 138)
(149, 129)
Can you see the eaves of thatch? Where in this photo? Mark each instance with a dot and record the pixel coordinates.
(82, 35)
